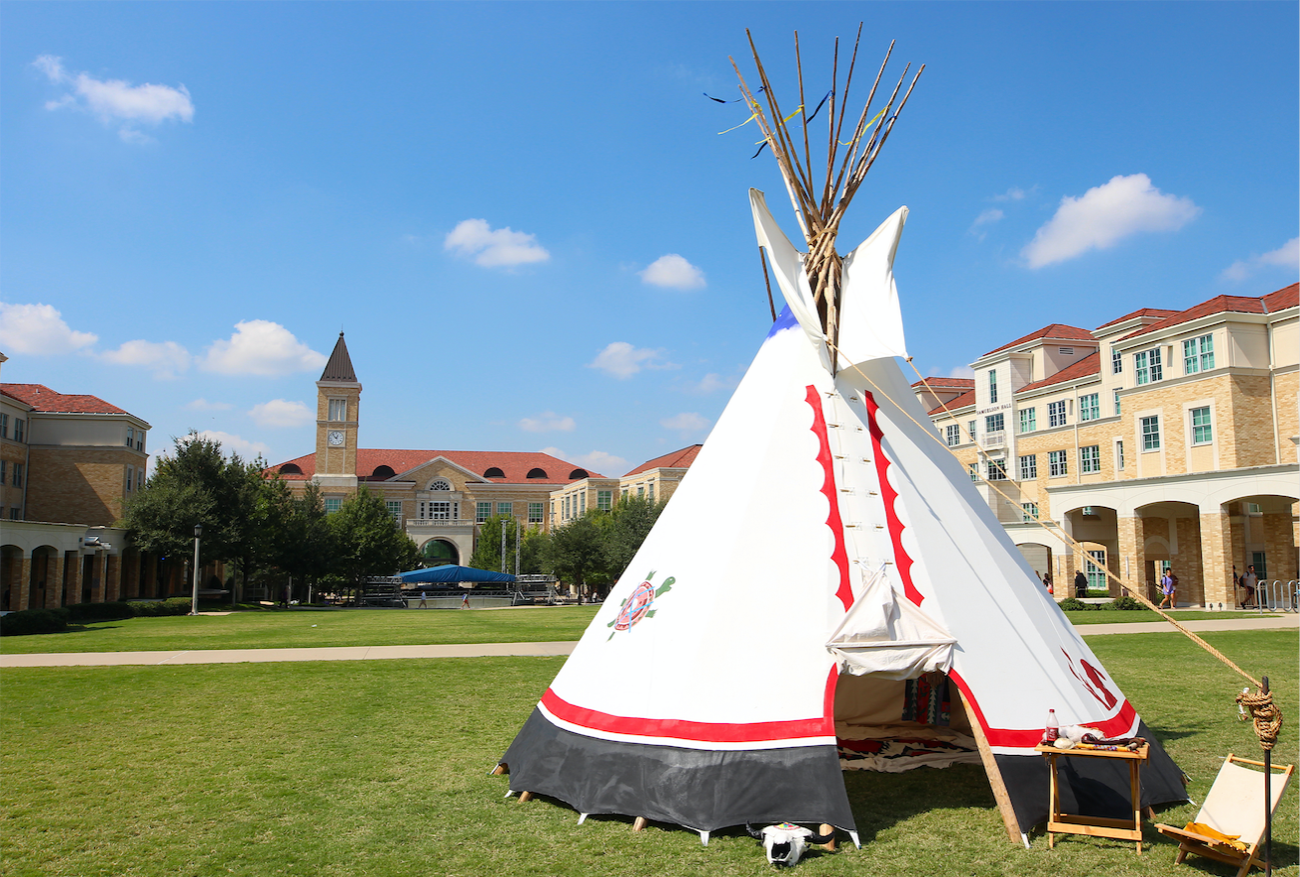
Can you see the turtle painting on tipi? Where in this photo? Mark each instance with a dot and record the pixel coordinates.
(856, 591)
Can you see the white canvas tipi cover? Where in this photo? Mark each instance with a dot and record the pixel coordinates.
(704, 691)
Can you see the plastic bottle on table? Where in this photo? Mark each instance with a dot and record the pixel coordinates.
(1053, 729)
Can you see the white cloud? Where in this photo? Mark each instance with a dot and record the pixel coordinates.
(596, 461)
(116, 101)
(685, 423)
(493, 248)
(38, 330)
(993, 214)
(205, 405)
(673, 271)
(1105, 215)
(281, 413)
(961, 371)
(1286, 256)
(622, 360)
(260, 347)
(547, 421)
(166, 359)
(1015, 193)
(712, 383)
(249, 450)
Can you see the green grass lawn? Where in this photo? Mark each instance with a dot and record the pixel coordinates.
(307, 628)
(380, 768)
(1129, 616)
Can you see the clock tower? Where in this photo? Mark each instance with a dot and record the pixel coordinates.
(338, 401)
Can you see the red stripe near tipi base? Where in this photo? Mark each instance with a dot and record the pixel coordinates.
(1016, 738)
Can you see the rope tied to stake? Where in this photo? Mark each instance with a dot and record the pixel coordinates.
(1266, 715)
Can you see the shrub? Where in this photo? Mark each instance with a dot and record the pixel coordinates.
(170, 606)
(1125, 603)
(30, 621)
(99, 611)
(1070, 604)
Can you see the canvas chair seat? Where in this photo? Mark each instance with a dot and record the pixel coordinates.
(1231, 811)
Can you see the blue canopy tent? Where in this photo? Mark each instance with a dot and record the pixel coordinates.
(451, 573)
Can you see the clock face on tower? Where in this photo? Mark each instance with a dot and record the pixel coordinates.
(335, 438)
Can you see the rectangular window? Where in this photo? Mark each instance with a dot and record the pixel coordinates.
(20, 428)
(1056, 413)
(4, 465)
(1260, 562)
(1202, 432)
(130, 477)
(18, 474)
(332, 504)
(1096, 564)
(534, 512)
(1198, 354)
(505, 508)
(1151, 433)
(1056, 464)
(997, 470)
(650, 491)
(970, 430)
(993, 386)
(139, 440)
(394, 507)
(993, 427)
(1090, 407)
(1028, 420)
(1029, 467)
(974, 469)
(4, 426)
(952, 435)
(15, 514)
(482, 511)
(338, 410)
(1119, 455)
(582, 503)
(139, 478)
(1116, 361)
(1117, 403)
(1090, 459)
(130, 436)
(1030, 511)
(1146, 365)
(604, 500)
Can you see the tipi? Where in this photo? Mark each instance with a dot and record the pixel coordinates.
(822, 574)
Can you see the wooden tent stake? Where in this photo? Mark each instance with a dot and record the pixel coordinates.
(525, 796)
(827, 828)
(639, 824)
(499, 770)
(995, 775)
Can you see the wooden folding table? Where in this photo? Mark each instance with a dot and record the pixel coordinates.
(1096, 826)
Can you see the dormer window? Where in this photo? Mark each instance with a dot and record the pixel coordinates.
(1147, 367)
(577, 474)
(494, 472)
(536, 473)
(290, 469)
(383, 472)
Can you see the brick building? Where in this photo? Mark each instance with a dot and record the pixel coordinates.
(1160, 438)
(68, 463)
(655, 480)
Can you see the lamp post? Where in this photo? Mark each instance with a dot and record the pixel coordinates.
(194, 598)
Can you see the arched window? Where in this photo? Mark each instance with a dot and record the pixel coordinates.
(435, 552)
(536, 473)
(383, 472)
(290, 469)
(440, 484)
(578, 473)
(494, 472)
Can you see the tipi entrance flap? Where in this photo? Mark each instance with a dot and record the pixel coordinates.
(887, 637)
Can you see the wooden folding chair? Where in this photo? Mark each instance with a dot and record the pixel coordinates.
(1234, 807)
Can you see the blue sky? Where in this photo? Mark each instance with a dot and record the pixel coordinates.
(526, 222)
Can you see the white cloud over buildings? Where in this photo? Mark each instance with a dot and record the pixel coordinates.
(494, 248)
(1286, 256)
(686, 423)
(1103, 216)
(260, 347)
(39, 330)
(674, 272)
(166, 359)
(281, 414)
(547, 421)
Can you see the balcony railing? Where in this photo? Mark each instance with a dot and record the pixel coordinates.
(995, 439)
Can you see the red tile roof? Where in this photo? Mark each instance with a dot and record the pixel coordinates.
(1286, 297)
(1054, 332)
(42, 399)
(513, 465)
(1089, 365)
(961, 401)
(1220, 304)
(676, 460)
(1159, 313)
(946, 383)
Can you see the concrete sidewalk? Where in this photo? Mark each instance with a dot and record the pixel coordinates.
(1289, 621)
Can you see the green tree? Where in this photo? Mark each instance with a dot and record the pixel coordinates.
(367, 541)
(576, 552)
(487, 550)
(629, 523)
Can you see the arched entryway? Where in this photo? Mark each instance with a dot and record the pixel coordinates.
(438, 552)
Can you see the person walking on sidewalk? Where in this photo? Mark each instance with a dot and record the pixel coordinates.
(1168, 587)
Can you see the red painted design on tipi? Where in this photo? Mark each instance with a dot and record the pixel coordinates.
(839, 555)
(902, 560)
